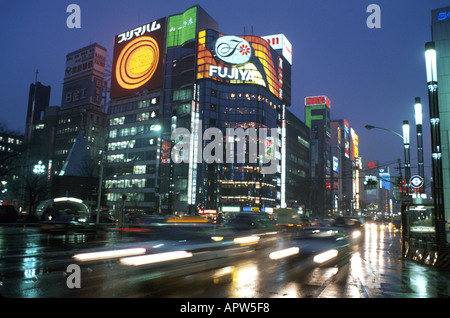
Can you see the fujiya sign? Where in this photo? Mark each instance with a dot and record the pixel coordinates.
(237, 51)
(231, 73)
(232, 49)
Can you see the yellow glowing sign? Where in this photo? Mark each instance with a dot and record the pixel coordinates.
(137, 62)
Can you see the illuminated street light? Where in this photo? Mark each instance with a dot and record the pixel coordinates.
(418, 111)
(430, 62)
(405, 138)
(438, 191)
(406, 143)
(418, 117)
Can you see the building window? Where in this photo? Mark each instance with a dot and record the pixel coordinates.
(117, 121)
(182, 94)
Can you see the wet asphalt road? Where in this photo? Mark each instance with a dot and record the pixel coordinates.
(33, 264)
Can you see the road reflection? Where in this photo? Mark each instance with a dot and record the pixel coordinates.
(215, 262)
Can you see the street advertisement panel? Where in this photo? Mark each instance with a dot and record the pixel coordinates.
(138, 59)
(239, 60)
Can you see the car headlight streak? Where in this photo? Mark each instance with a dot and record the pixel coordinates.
(325, 256)
(284, 253)
(154, 258)
(84, 257)
(246, 240)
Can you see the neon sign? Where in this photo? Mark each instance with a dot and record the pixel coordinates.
(232, 49)
(443, 16)
(231, 73)
(138, 59)
(317, 100)
(239, 60)
(137, 62)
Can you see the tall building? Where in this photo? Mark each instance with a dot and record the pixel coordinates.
(297, 162)
(11, 151)
(345, 178)
(179, 74)
(440, 33)
(38, 100)
(317, 118)
(82, 106)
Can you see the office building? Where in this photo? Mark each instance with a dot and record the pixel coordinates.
(297, 162)
(180, 73)
(317, 118)
(440, 34)
(82, 107)
(345, 174)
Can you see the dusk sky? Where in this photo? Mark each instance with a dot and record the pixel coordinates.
(371, 76)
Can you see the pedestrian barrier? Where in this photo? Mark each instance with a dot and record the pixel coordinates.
(426, 253)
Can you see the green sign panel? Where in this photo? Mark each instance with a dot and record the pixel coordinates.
(182, 27)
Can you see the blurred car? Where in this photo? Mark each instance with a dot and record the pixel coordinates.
(63, 210)
(248, 221)
(150, 219)
(316, 247)
(352, 224)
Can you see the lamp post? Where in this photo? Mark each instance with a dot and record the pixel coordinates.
(405, 138)
(407, 151)
(418, 118)
(438, 194)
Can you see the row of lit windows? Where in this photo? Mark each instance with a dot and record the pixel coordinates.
(68, 130)
(125, 183)
(10, 140)
(133, 156)
(131, 131)
(62, 152)
(134, 197)
(132, 118)
(130, 144)
(117, 109)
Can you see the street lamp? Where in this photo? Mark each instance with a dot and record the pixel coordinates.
(405, 138)
(418, 117)
(406, 144)
(438, 194)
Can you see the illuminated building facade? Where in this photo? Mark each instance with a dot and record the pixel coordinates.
(345, 172)
(317, 118)
(175, 73)
(243, 82)
(440, 31)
